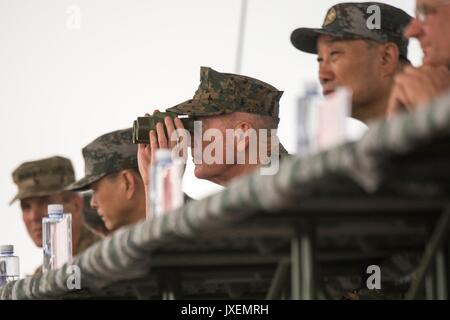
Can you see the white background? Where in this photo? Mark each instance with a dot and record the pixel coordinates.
(61, 88)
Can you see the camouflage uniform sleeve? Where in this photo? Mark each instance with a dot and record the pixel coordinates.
(87, 238)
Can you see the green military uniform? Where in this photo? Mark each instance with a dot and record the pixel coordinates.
(351, 21)
(45, 177)
(223, 93)
(87, 238)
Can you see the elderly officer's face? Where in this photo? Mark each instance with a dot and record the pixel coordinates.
(351, 64)
(209, 151)
(33, 210)
(431, 27)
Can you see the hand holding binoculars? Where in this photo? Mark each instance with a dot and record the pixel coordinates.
(143, 125)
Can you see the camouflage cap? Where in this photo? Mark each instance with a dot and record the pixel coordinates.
(42, 177)
(107, 154)
(351, 21)
(221, 93)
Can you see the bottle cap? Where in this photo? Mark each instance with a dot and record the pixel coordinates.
(7, 249)
(55, 209)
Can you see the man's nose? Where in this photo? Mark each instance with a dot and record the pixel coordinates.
(325, 72)
(93, 202)
(414, 29)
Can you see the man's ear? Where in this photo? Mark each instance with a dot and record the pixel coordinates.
(389, 56)
(129, 183)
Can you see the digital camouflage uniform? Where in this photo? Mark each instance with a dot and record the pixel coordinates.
(223, 93)
(351, 21)
(45, 177)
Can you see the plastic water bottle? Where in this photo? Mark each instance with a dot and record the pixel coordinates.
(165, 184)
(9, 265)
(306, 119)
(56, 237)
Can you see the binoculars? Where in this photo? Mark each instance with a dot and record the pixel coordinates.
(143, 125)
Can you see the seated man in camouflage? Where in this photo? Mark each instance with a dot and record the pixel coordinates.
(111, 171)
(223, 102)
(41, 183)
(365, 60)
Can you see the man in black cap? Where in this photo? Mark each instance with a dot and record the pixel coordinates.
(360, 46)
